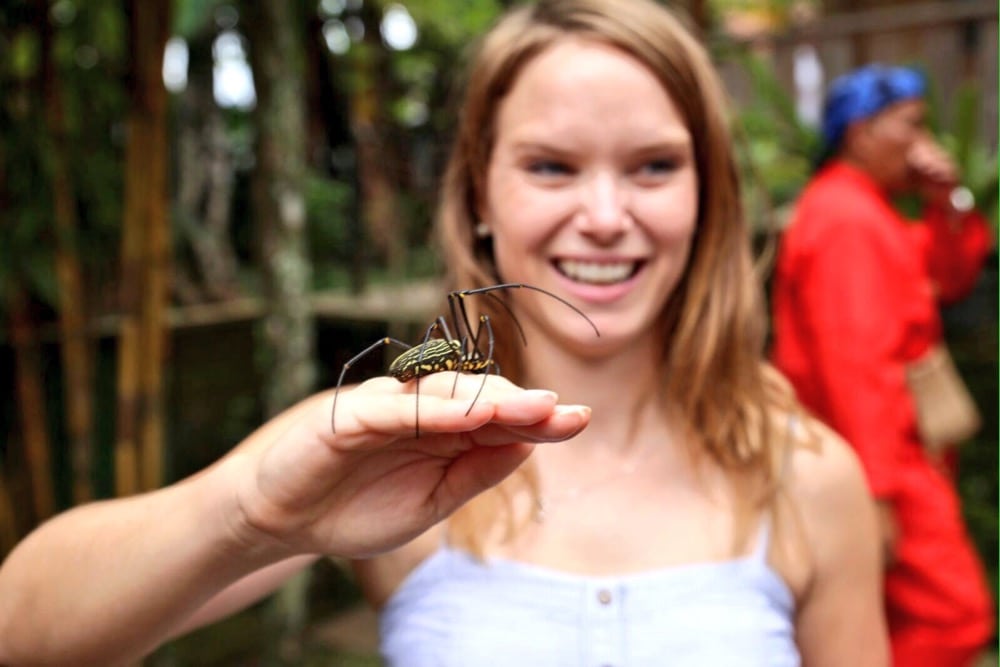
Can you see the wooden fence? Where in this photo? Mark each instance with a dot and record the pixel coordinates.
(953, 41)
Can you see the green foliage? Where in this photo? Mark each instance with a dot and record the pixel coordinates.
(88, 58)
(23, 56)
(456, 28)
(976, 161)
(25, 254)
(775, 149)
(328, 208)
(193, 16)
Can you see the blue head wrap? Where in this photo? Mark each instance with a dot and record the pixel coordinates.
(863, 93)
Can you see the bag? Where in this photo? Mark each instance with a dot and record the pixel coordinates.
(946, 413)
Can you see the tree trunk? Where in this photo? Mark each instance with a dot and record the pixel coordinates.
(700, 16)
(379, 199)
(279, 201)
(77, 355)
(8, 524)
(30, 399)
(205, 178)
(288, 336)
(145, 256)
(330, 138)
(16, 518)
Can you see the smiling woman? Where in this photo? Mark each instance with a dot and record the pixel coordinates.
(593, 159)
(604, 212)
(700, 518)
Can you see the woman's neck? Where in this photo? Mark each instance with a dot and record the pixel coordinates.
(623, 390)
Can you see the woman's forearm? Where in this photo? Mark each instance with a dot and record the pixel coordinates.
(107, 582)
(245, 592)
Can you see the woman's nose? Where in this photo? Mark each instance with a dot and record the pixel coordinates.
(603, 207)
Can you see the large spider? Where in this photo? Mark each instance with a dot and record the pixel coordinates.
(449, 353)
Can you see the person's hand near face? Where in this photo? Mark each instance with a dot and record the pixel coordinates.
(897, 149)
(935, 172)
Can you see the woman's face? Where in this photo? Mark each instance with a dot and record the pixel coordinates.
(882, 143)
(591, 193)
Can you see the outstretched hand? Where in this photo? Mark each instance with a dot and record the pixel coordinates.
(373, 485)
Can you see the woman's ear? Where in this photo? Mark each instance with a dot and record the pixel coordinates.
(480, 212)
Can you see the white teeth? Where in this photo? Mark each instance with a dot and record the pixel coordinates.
(599, 273)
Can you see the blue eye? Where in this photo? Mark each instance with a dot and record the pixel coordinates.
(548, 168)
(660, 166)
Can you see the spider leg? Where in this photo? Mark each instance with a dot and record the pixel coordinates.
(492, 288)
(355, 359)
(438, 323)
(517, 323)
(458, 368)
(469, 341)
(460, 317)
(484, 322)
(459, 297)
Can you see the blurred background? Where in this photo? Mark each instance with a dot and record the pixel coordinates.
(207, 207)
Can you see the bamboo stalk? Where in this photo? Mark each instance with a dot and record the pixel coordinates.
(126, 436)
(128, 374)
(151, 21)
(139, 438)
(77, 358)
(379, 194)
(31, 405)
(8, 527)
(128, 400)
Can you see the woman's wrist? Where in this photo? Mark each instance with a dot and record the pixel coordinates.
(222, 495)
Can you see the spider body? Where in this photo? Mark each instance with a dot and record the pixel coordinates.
(437, 354)
(448, 352)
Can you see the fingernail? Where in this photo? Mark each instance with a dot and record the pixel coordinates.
(582, 410)
(542, 393)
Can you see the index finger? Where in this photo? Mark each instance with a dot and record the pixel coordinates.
(367, 417)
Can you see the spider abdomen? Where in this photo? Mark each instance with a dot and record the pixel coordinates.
(433, 356)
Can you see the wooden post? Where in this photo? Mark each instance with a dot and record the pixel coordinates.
(74, 344)
(145, 257)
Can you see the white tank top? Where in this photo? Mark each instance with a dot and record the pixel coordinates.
(457, 611)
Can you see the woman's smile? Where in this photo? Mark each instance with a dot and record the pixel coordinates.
(597, 272)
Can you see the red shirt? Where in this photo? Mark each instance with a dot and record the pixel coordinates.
(856, 298)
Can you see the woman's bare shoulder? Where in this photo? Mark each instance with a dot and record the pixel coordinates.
(840, 590)
(824, 468)
(828, 491)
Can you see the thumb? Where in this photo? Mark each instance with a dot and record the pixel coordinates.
(477, 470)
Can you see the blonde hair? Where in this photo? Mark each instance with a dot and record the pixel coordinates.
(714, 324)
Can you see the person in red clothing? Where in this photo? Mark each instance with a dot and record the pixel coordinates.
(856, 294)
